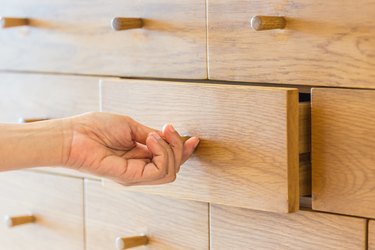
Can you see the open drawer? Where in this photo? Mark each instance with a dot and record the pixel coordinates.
(250, 145)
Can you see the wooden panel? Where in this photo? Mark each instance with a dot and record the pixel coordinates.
(47, 96)
(305, 175)
(169, 224)
(343, 159)
(57, 203)
(371, 236)
(235, 228)
(325, 43)
(76, 37)
(248, 155)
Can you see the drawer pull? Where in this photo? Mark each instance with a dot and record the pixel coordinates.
(122, 23)
(9, 22)
(184, 138)
(29, 120)
(130, 242)
(267, 22)
(12, 221)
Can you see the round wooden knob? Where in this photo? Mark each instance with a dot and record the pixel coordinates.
(9, 22)
(267, 22)
(130, 242)
(12, 221)
(29, 120)
(122, 23)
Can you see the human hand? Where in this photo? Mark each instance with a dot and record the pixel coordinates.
(119, 148)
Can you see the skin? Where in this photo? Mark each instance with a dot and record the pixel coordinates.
(104, 144)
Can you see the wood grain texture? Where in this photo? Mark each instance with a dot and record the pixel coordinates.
(46, 96)
(235, 228)
(343, 158)
(304, 127)
(57, 203)
(67, 36)
(305, 175)
(324, 43)
(371, 235)
(168, 224)
(248, 154)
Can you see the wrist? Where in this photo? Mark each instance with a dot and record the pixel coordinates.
(31, 145)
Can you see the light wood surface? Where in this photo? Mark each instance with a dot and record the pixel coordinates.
(248, 154)
(46, 97)
(343, 144)
(371, 235)
(167, 223)
(69, 36)
(56, 202)
(234, 228)
(325, 43)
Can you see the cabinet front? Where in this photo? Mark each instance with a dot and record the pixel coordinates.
(310, 42)
(144, 38)
(118, 220)
(235, 228)
(248, 154)
(343, 156)
(41, 212)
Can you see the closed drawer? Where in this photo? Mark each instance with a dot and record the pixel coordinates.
(248, 154)
(33, 96)
(76, 37)
(343, 158)
(57, 204)
(168, 224)
(324, 43)
(371, 236)
(235, 228)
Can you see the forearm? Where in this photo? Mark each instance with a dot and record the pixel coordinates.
(31, 145)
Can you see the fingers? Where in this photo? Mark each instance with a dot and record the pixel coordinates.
(189, 147)
(139, 131)
(174, 140)
(164, 158)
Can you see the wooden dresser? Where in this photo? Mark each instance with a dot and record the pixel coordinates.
(281, 93)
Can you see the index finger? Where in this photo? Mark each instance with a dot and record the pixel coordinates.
(139, 131)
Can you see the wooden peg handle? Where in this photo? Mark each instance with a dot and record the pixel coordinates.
(9, 22)
(267, 22)
(130, 242)
(29, 120)
(122, 23)
(12, 221)
(184, 138)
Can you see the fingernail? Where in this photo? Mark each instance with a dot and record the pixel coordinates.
(171, 128)
(197, 143)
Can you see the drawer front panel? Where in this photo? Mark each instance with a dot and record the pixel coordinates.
(371, 236)
(235, 228)
(76, 37)
(324, 43)
(31, 96)
(343, 143)
(168, 224)
(42, 96)
(56, 202)
(248, 155)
